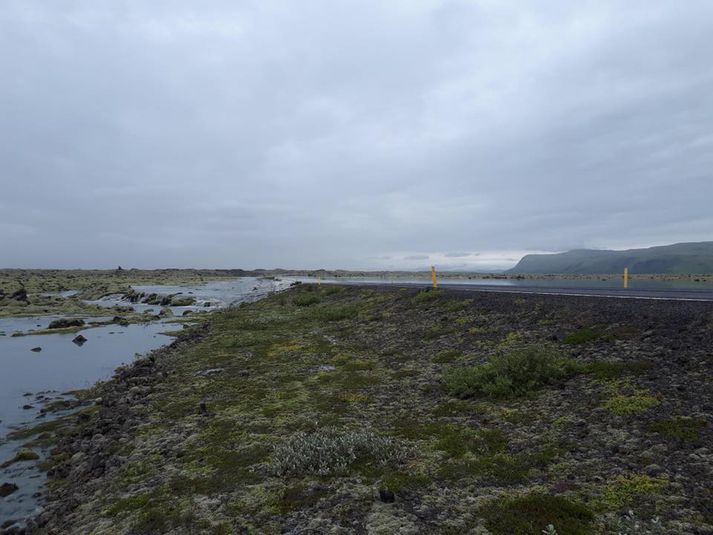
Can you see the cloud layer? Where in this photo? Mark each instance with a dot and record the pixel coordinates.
(350, 134)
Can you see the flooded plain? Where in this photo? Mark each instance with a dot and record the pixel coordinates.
(41, 370)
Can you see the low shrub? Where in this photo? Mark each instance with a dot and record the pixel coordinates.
(529, 514)
(512, 373)
(681, 428)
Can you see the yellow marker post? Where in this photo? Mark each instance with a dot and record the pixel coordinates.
(626, 278)
(434, 283)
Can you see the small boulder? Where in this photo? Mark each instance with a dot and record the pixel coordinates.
(36, 349)
(7, 488)
(386, 496)
(182, 301)
(79, 340)
(64, 323)
(19, 295)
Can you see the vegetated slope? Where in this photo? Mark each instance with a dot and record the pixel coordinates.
(379, 411)
(680, 258)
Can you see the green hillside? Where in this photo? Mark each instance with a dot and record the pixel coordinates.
(679, 258)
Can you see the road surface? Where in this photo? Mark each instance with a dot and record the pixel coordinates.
(702, 294)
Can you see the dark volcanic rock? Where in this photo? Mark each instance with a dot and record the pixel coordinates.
(36, 349)
(63, 323)
(386, 496)
(7, 488)
(19, 295)
(79, 340)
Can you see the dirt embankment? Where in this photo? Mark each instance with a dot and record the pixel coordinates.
(352, 410)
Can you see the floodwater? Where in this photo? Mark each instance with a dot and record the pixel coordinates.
(31, 379)
(209, 296)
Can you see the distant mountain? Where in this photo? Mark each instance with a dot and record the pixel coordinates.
(679, 258)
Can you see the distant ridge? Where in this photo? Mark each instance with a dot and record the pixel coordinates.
(679, 259)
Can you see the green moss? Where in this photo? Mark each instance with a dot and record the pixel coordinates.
(454, 407)
(583, 336)
(427, 296)
(681, 428)
(334, 312)
(44, 427)
(302, 300)
(531, 513)
(611, 369)
(456, 441)
(298, 496)
(405, 481)
(513, 373)
(625, 490)
(129, 503)
(499, 467)
(438, 330)
(636, 402)
(447, 356)
(25, 454)
(456, 305)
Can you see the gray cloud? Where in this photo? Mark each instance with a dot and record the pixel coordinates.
(349, 134)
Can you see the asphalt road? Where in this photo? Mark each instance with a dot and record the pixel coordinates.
(613, 293)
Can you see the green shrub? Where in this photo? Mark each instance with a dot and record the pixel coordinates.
(512, 373)
(331, 451)
(529, 514)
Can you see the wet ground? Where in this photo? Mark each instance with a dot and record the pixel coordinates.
(37, 371)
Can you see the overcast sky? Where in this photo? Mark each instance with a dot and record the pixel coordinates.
(339, 134)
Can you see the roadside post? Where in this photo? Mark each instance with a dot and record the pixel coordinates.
(434, 283)
(626, 278)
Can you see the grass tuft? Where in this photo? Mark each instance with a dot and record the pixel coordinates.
(332, 451)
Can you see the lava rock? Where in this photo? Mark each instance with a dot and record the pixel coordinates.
(36, 349)
(79, 340)
(386, 496)
(19, 295)
(7, 488)
(63, 323)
